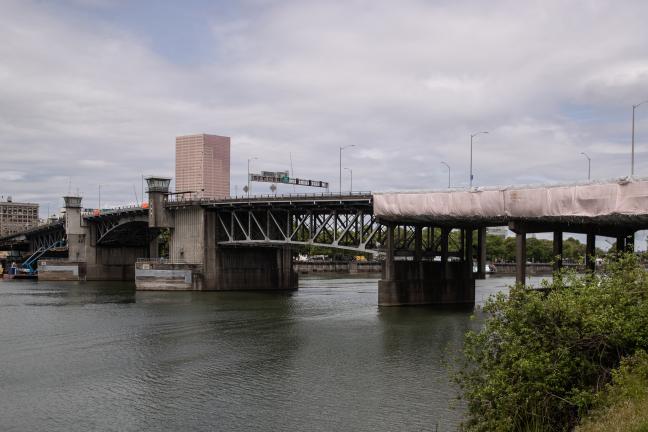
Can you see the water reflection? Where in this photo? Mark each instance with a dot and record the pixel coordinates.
(99, 356)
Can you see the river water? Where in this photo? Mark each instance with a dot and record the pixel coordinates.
(100, 356)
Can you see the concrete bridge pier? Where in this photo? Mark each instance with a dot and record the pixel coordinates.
(557, 250)
(624, 241)
(422, 281)
(198, 262)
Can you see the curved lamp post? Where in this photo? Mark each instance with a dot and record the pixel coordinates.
(471, 157)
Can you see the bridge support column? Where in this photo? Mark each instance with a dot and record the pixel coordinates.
(445, 240)
(154, 248)
(481, 254)
(630, 241)
(557, 250)
(590, 252)
(625, 243)
(423, 282)
(469, 251)
(520, 258)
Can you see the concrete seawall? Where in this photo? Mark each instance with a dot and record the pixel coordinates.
(344, 267)
(354, 267)
(532, 268)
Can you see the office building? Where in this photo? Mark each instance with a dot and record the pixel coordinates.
(16, 217)
(203, 165)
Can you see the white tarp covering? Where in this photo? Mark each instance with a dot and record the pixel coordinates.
(594, 200)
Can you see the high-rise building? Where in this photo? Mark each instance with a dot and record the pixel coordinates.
(203, 165)
(16, 217)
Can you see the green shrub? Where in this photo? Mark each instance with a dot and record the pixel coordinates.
(541, 357)
(623, 407)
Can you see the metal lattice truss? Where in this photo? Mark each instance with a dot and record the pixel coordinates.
(347, 228)
(44, 240)
(35, 238)
(434, 241)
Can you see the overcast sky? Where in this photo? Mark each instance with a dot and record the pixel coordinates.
(95, 91)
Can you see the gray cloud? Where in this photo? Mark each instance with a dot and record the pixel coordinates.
(90, 101)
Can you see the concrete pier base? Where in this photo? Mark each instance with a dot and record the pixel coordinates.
(235, 269)
(164, 276)
(240, 269)
(425, 283)
(61, 270)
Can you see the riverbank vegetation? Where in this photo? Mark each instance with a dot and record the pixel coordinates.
(544, 360)
(623, 406)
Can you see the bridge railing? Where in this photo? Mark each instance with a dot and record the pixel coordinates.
(88, 212)
(183, 199)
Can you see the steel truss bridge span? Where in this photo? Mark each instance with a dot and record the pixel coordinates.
(333, 221)
(345, 222)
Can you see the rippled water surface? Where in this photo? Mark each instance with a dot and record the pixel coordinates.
(100, 356)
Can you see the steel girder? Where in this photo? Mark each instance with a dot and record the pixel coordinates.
(345, 228)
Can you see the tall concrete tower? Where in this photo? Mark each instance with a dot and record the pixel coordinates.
(203, 165)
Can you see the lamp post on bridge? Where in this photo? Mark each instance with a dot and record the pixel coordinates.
(589, 165)
(634, 107)
(248, 173)
(471, 154)
(351, 173)
(342, 148)
(444, 163)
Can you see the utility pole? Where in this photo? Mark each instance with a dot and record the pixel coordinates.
(471, 154)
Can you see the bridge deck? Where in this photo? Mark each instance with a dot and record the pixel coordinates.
(270, 201)
(621, 203)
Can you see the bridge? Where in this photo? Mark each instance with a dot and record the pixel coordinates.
(101, 245)
(428, 240)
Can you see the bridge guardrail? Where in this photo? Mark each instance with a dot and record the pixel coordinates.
(87, 212)
(178, 199)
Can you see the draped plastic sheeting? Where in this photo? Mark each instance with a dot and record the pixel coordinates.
(594, 200)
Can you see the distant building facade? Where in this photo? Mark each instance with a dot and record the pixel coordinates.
(203, 165)
(16, 217)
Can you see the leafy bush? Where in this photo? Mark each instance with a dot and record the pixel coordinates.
(623, 407)
(542, 356)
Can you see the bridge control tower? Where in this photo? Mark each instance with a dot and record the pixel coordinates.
(74, 228)
(158, 190)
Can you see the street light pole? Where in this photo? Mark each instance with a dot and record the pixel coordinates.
(248, 172)
(471, 158)
(351, 173)
(448, 172)
(589, 165)
(342, 148)
(634, 107)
